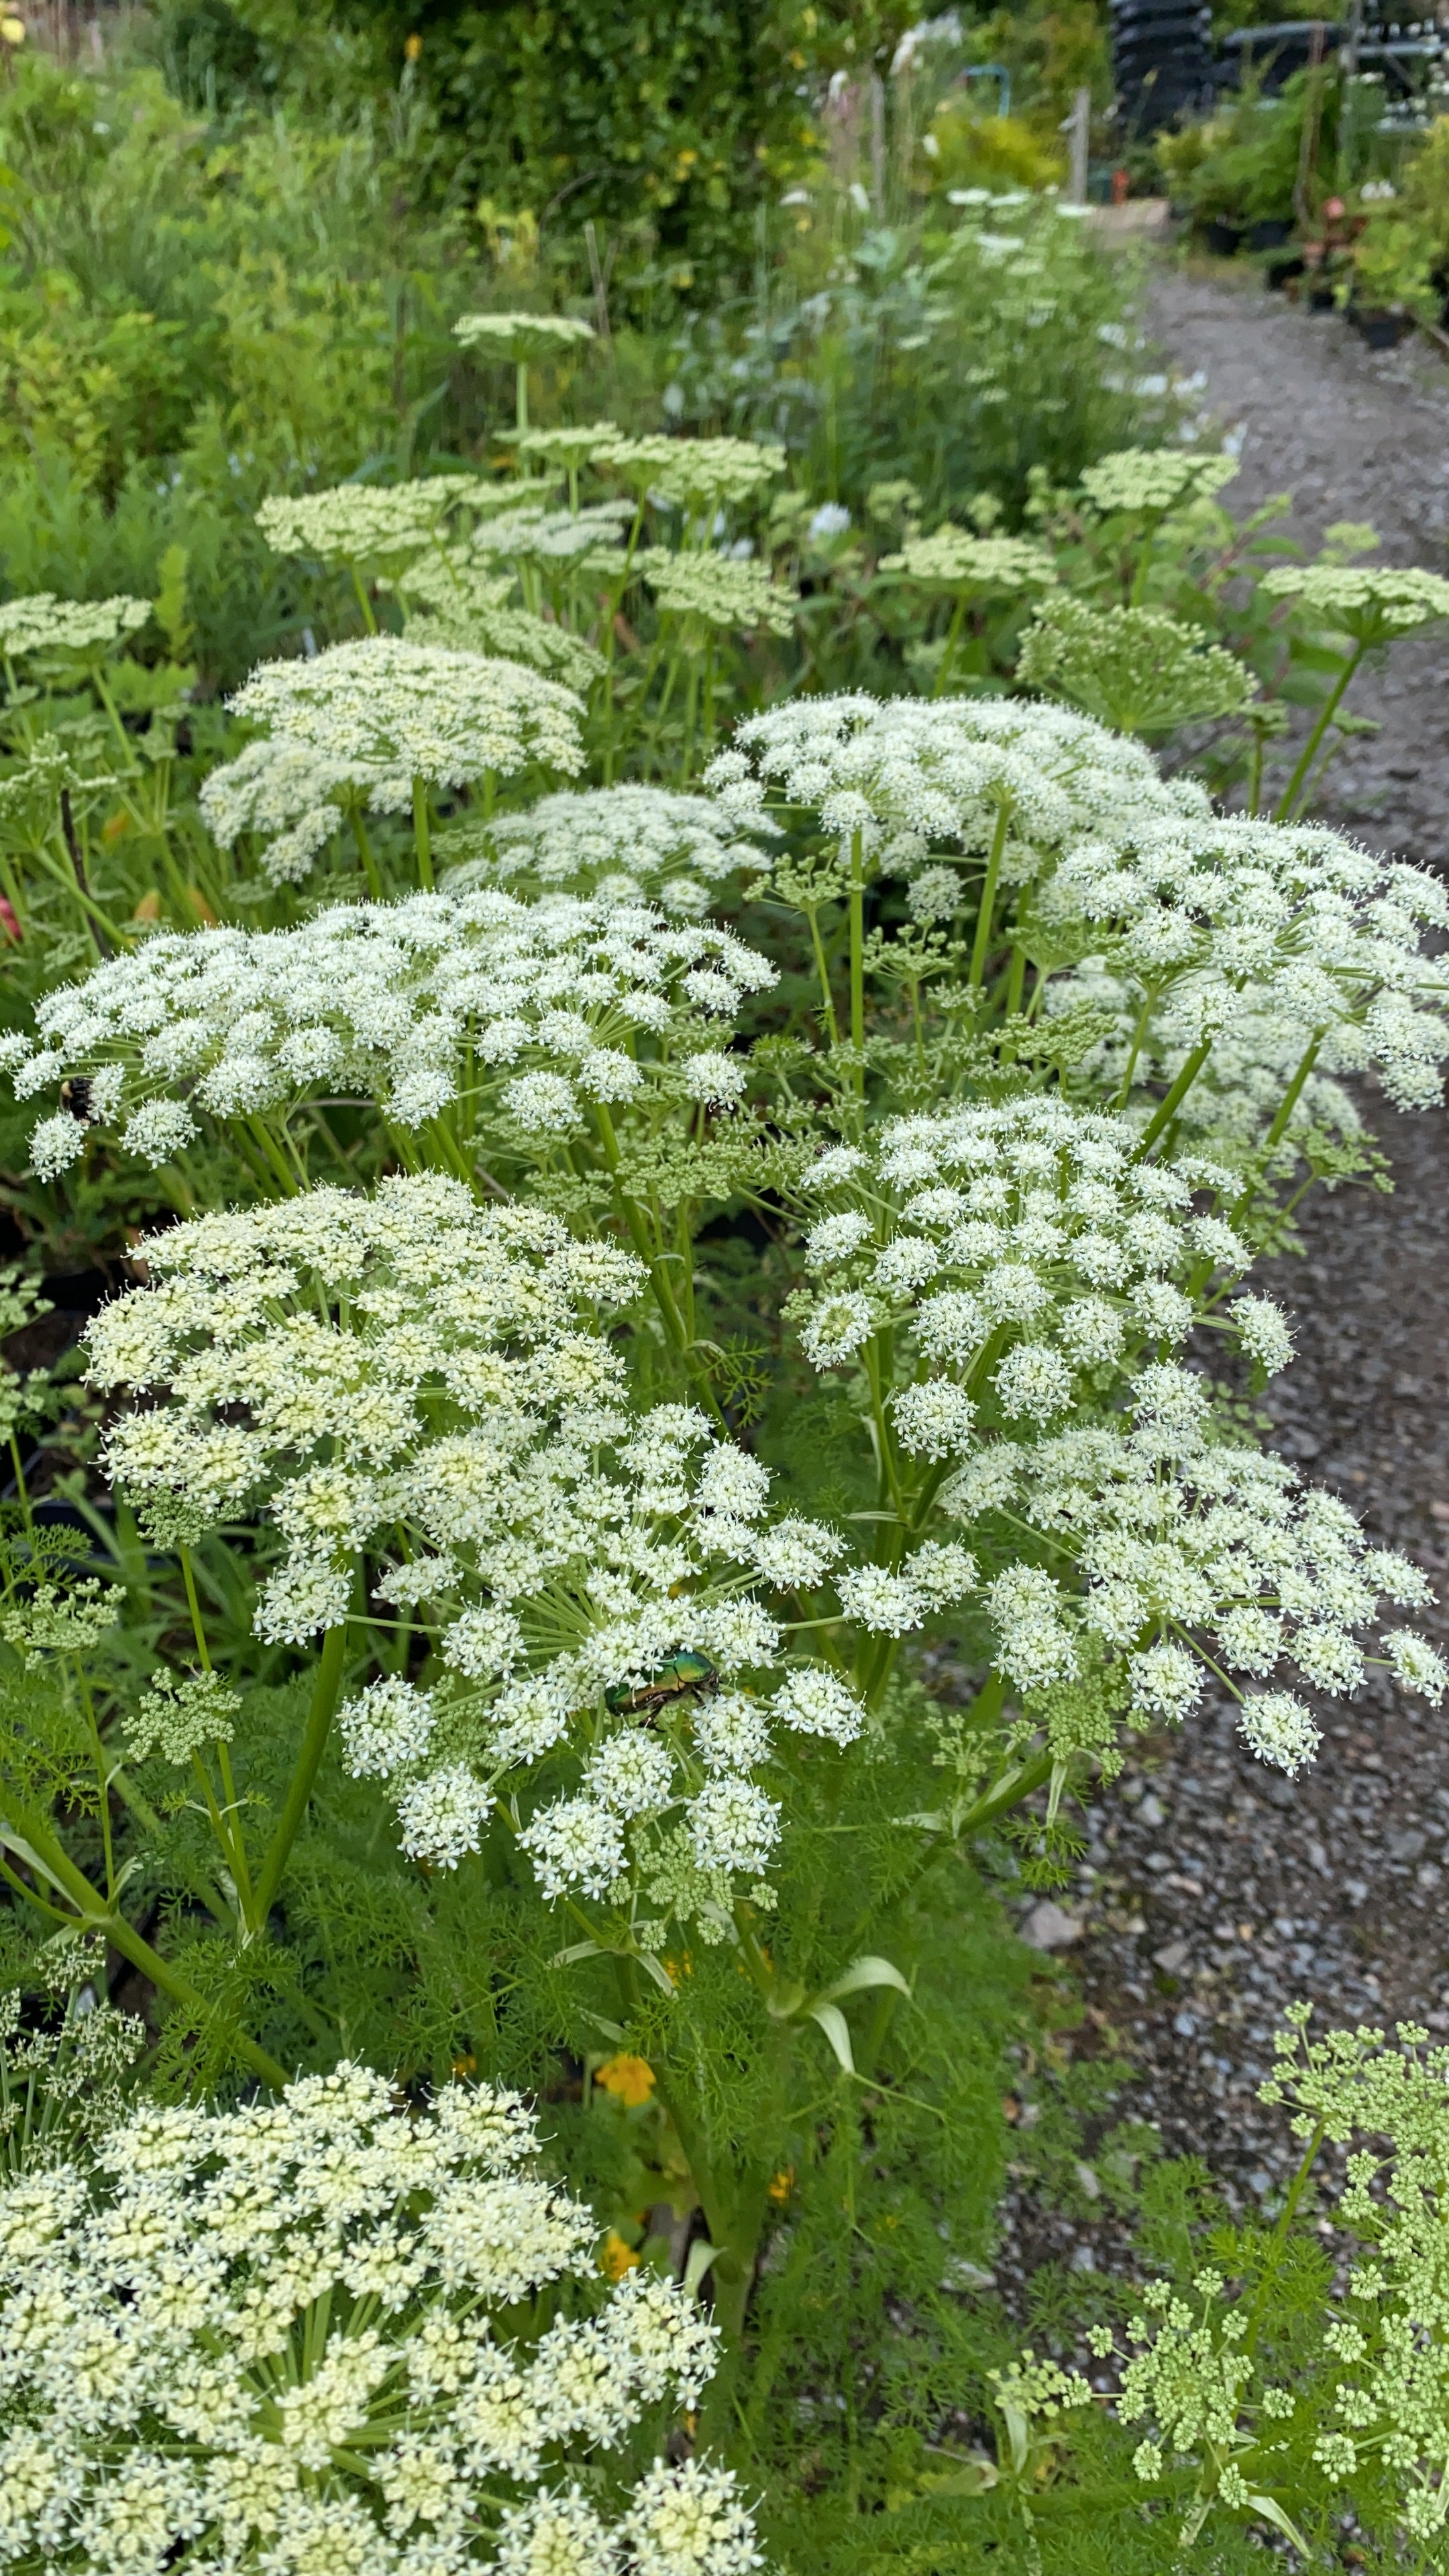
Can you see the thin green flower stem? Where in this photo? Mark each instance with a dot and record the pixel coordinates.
(65, 877)
(652, 1258)
(1167, 1109)
(326, 1692)
(103, 692)
(22, 1490)
(96, 1915)
(363, 601)
(422, 836)
(103, 1783)
(1016, 980)
(33, 1896)
(857, 956)
(1139, 1033)
(365, 853)
(889, 1470)
(521, 396)
(1277, 1131)
(233, 1842)
(1286, 2216)
(981, 945)
(1255, 773)
(691, 705)
(953, 638)
(1288, 801)
(812, 915)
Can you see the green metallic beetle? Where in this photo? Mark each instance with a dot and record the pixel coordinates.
(680, 1673)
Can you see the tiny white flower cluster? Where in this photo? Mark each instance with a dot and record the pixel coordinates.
(909, 773)
(569, 1573)
(624, 842)
(1019, 1245)
(307, 1354)
(1222, 925)
(1174, 1535)
(394, 712)
(539, 1007)
(271, 2338)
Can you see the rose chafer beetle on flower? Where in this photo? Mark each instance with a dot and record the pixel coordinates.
(679, 1675)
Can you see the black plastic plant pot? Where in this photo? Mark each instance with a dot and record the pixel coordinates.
(1222, 238)
(1271, 233)
(1379, 326)
(1279, 271)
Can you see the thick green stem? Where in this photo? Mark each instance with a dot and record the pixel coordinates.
(363, 602)
(365, 853)
(1308, 754)
(953, 638)
(1167, 1109)
(857, 953)
(422, 833)
(326, 1692)
(981, 945)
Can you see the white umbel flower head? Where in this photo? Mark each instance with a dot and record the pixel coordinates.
(389, 1003)
(296, 2327)
(391, 712)
(627, 840)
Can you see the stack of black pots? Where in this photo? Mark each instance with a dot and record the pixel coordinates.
(1161, 63)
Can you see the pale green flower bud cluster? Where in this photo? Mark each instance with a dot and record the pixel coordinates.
(367, 523)
(695, 474)
(519, 337)
(342, 1329)
(1370, 603)
(719, 591)
(60, 1620)
(1155, 479)
(1135, 668)
(296, 2336)
(41, 623)
(540, 1007)
(179, 1714)
(953, 559)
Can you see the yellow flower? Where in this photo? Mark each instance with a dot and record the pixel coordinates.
(782, 2184)
(12, 31)
(413, 48)
(616, 2258)
(631, 2078)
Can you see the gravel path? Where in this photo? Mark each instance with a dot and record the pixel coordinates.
(1214, 1891)
(1352, 434)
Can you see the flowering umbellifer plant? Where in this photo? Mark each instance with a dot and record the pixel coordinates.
(628, 1300)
